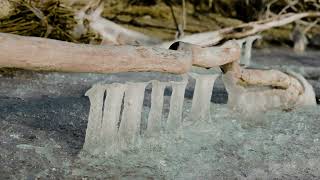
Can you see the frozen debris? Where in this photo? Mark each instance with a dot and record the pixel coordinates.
(200, 109)
(116, 114)
(307, 98)
(252, 100)
(246, 49)
(256, 90)
(155, 114)
(262, 95)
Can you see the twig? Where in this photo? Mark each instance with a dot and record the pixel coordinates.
(243, 30)
(310, 26)
(184, 16)
(290, 5)
(268, 12)
(306, 23)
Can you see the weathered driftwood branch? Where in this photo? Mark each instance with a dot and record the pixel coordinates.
(112, 33)
(243, 30)
(52, 55)
(116, 34)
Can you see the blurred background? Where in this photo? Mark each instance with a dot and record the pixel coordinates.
(161, 18)
(44, 115)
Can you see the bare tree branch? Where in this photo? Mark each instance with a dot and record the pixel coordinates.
(243, 30)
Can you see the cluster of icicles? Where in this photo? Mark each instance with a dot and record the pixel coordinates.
(115, 111)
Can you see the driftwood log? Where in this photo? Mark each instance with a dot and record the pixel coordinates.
(52, 55)
(249, 89)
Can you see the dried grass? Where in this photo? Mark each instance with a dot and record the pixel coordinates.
(48, 19)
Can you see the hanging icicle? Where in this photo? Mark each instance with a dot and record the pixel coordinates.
(111, 117)
(95, 95)
(155, 114)
(174, 120)
(200, 109)
(129, 130)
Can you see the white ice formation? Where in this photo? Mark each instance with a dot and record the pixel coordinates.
(200, 109)
(246, 49)
(116, 111)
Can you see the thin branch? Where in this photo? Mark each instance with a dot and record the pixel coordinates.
(268, 12)
(184, 16)
(243, 30)
(310, 26)
(178, 27)
(290, 5)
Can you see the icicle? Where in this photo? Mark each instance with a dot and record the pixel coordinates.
(131, 117)
(246, 58)
(111, 117)
(176, 104)
(200, 109)
(240, 42)
(95, 95)
(155, 114)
